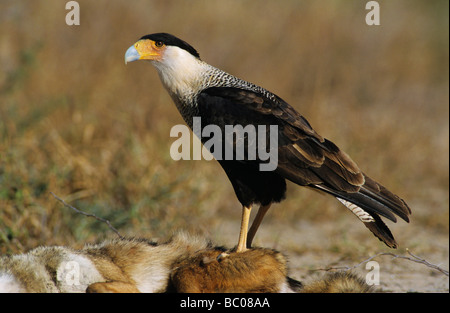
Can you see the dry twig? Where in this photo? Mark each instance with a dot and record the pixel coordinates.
(88, 214)
(395, 256)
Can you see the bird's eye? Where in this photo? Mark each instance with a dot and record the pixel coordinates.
(159, 44)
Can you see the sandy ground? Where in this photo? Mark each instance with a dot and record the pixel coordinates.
(312, 249)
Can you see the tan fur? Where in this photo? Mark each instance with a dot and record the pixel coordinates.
(254, 270)
(340, 282)
(112, 287)
(182, 264)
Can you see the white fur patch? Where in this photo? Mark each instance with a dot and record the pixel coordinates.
(154, 280)
(9, 284)
(153, 274)
(360, 213)
(76, 272)
(285, 288)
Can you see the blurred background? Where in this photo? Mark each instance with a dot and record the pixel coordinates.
(78, 122)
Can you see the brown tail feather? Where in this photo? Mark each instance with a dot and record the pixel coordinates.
(369, 203)
(382, 232)
(381, 194)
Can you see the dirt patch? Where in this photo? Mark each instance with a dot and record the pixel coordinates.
(314, 249)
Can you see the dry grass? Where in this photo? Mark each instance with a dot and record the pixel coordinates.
(74, 120)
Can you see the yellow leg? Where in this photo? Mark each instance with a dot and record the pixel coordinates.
(242, 244)
(256, 222)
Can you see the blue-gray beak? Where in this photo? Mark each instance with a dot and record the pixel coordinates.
(132, 55)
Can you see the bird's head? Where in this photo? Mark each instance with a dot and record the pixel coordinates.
(177, 62)
(158, 47)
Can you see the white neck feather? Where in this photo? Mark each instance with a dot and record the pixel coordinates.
(180, 72)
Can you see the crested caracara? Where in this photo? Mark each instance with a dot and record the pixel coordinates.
(304, 157)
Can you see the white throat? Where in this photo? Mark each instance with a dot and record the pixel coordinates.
(180, 72)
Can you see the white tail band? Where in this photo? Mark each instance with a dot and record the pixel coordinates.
(360, 213)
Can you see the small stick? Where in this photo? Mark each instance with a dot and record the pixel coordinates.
(414, 259)
(423, 261)
(88, 214)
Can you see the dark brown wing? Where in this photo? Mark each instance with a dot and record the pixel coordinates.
(305, 157)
